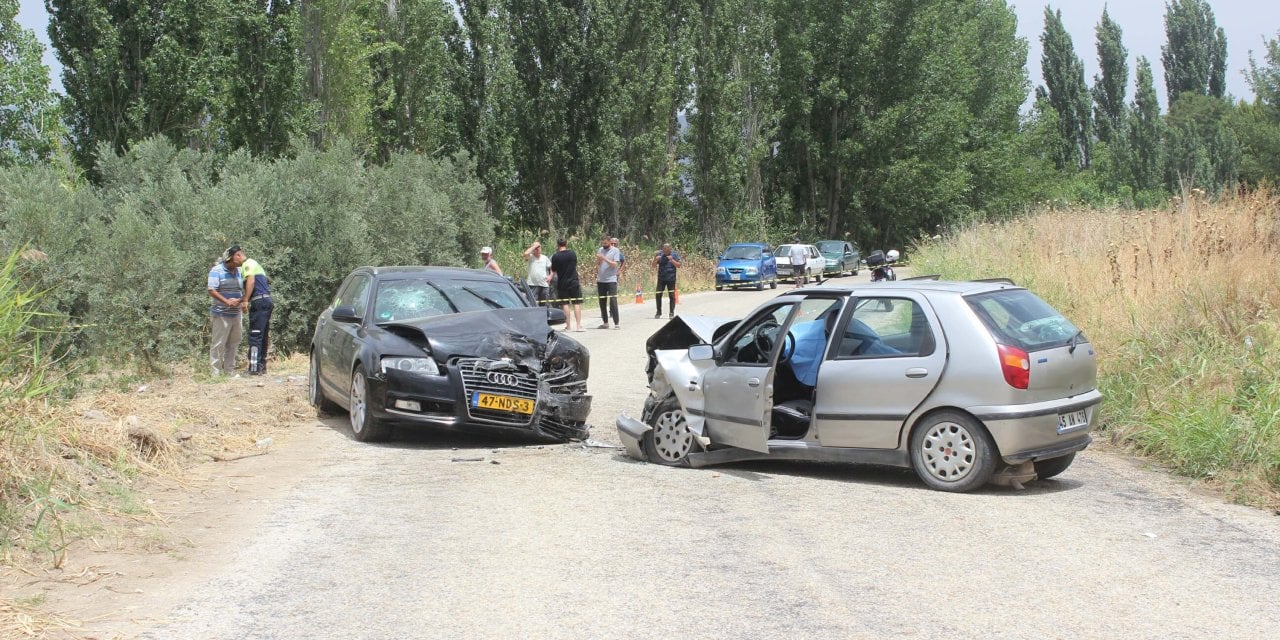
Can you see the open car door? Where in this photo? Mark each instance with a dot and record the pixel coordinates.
(739, 391)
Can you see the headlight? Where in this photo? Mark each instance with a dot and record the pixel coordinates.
(831, 263)
(720, 270)
(412, 365)
(751, 271)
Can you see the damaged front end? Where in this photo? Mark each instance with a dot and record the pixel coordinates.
(511, 371)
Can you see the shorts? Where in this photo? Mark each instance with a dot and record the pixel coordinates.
(570, 293)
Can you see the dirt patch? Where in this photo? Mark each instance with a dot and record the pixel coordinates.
(208, 456)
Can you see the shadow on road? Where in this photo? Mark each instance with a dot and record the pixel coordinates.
(436, 438)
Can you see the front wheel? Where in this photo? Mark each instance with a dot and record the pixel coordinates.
(315, 395)
(760, 285)
(364, 427)
(1046, 469)
(951, 451)
(773, 284)
(719, 288)
(670, 441)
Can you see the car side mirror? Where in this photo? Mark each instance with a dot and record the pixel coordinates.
(345, 313)
(701, 352)
(555, 316)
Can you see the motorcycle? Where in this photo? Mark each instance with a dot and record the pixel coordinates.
(881, 265)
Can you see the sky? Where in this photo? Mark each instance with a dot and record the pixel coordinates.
(1246, 23)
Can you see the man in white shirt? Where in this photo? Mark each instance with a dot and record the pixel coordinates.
(539, 276)
(799, 259)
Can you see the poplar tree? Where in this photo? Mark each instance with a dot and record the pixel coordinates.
(1195, 51)
(30, 125)
(1145, 134)
(1109, 87)
(1066, 92)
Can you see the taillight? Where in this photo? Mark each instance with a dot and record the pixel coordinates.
(1015, 365)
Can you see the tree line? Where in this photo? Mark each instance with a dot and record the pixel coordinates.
(711, 119)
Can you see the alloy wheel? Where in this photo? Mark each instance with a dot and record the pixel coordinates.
(358, 407)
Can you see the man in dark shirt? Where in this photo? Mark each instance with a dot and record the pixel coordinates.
(666, 263)
(564, 264)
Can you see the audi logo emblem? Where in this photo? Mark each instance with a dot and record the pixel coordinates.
(504, 379)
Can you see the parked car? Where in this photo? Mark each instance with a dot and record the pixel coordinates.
(814, 265)
(446, 347)
(964, 382)
(840, 256)
(747, 263)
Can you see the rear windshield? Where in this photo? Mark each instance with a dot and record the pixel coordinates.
(1018, 318)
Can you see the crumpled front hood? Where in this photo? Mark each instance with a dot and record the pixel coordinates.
(519, 334)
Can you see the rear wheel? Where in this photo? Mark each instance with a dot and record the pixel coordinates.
(364, 427)
(1046, 469)
(773, 284)
(669, 442)
(315, 394)
(951, 451)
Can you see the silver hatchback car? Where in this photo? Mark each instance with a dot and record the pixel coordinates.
(965, 382)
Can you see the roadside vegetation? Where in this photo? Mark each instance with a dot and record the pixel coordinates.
(1181, 303)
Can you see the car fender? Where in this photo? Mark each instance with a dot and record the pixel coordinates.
(675, 371)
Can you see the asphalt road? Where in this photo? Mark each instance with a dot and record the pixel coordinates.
(444, 537)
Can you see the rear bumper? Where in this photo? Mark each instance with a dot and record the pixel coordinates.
(1030, 431)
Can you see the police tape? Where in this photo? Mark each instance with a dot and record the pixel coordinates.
(646, 295)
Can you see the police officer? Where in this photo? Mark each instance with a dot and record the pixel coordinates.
(257, 301)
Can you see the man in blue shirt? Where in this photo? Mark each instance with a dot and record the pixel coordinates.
(257, 301)
(227, 291)
(666, 263)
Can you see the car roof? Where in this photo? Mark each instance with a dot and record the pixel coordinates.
(750, 244)
(963, 288)
(428, 272)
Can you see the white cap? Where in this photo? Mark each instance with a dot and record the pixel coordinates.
(484, 250)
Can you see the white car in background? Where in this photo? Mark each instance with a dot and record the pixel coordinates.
(813, 267)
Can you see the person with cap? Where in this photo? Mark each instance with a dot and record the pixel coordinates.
(226, 289)
(539, 276)
(608, 260)
(257, 302)
(486, 254)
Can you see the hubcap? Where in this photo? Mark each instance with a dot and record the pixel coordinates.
(357, 403)
(314, 380)
(671, 436)
(948, 451)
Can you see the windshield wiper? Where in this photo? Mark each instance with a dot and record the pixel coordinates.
(1075, 341)
(489, 301)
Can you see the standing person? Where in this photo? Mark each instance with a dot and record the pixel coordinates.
(608, 259)
(257, 301)
(539, 276)
(228, 293)
(622, 258)
(564, 264)
(799, 261)
(666, 262)
(486, 255)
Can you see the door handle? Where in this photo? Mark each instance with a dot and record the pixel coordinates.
(753, 382)
(917, 372)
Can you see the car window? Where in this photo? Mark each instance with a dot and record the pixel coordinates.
(887, 326)
(753, 343)
(742, 253)
(1018, 318)
(830, 247)
(354, 294)
(413, 298)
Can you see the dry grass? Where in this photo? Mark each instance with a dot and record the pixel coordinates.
(1181, 304)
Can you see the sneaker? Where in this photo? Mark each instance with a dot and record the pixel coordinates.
(671, 315)
(603, 326)
(657, 315)
(617, 326)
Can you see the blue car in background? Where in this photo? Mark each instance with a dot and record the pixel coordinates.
(747, 263)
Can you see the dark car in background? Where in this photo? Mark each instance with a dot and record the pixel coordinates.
(747, 264)
(446, 347)
(841, 256)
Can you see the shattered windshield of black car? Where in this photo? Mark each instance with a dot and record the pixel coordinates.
(400, 300)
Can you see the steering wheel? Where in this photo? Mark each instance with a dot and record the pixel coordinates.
(764, 337)
(788, 347)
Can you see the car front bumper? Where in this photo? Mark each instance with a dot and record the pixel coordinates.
(444, 401)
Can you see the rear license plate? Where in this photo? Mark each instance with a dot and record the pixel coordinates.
(1072, 421)
(735, 276)
(502, 403)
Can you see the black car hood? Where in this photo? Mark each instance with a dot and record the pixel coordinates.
(521, 335)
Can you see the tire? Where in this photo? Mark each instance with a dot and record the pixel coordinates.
(669, 442)
(364, 427)
(1046, 469)
(760, 285)
(315, 394)
(935, 443)
(773, 284)
(719, 288)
